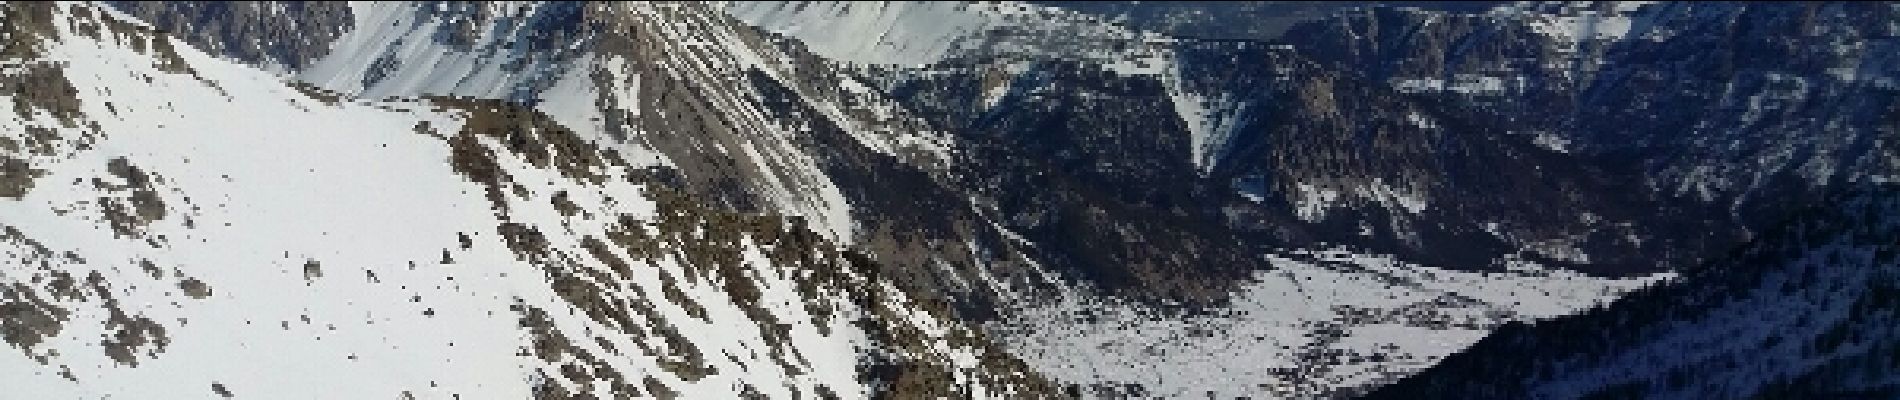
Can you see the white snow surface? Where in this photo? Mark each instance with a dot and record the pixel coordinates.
(1212, 120)
(1248, 347)
(401, 36)
(275, 179)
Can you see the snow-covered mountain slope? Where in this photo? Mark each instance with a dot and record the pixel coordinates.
(905, 33)
(748, 121)
(178, 225)
(1806, 311)
(922, 33)
(521, 51)
(795, 199)
(496, 50)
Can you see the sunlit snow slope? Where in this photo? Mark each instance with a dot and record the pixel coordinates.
(177, 225)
